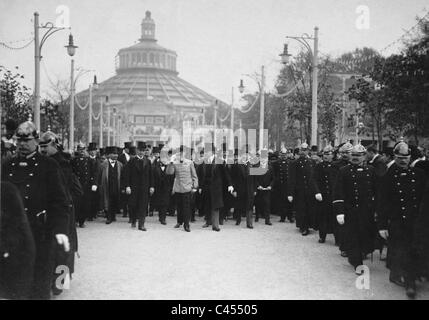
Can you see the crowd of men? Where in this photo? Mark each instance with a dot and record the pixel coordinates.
(367, 201)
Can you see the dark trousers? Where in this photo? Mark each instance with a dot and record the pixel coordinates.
(114, 202)
(124, 204)
(162, 211)
(94, 206)
(263, 207)
(248, 214)
(183, 203)
(139, 212)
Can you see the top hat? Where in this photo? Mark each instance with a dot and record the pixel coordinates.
(127, 145)
(92, 146)
(111, 150)
(141, 145)
(133, 150)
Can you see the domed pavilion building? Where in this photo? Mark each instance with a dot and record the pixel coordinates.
(146, 95)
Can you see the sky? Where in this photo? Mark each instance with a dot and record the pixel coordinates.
(217, 41)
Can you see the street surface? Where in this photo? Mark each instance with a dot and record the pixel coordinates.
(268, 262)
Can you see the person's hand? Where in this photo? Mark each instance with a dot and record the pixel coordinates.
(234, 194)
(230, 189)
(254, 193)
(384, 234)
(290, 198)
(193, 190)
(94, 188)
(268, 188)
(200, 191)
(260, 188)
(63, 241)
(151, 191)
(128, 190)
(318, 197)
(340, 219)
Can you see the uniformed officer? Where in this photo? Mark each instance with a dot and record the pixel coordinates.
(354, 200)
(344, 152)
(39, 182)
(325, 175)
(88, 179)
(400, 197)
(302, 190)
(281, 177)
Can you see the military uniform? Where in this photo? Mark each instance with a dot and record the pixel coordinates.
(281, 177)
(87, 172)
(355, 197)
(302, 187)
(326, 175)
(40, 184)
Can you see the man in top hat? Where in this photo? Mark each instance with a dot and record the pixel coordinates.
(46, 204)
(139, 185)
(50, 146)
(163, 183)
(87, 175)
(124, 158)
(354, 201)
(264, 187)
(185, 183)
(94, 171)
(213, 178)
(302, 190)
(109, 182)
(398, 218)
(325, 176)
(281, 177)
(244, 184)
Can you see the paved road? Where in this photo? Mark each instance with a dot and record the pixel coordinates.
(268, 262)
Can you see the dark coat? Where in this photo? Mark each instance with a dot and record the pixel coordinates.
(302, 187)
(325, 174)
(138, 175)
(245, 186)
(401, 193)
(355, 196)
(122, 159)
(39, 181)
(103, 182)
(212, 184)
(163, 185)
(379, 166)
(74, 192)
(17, 247)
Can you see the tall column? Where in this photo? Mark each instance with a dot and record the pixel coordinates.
(232, 119)
(71, 137)
(101, 122)
(36, 72)
(314, 90)
(90, 116)
(262, 110)
(108, 126)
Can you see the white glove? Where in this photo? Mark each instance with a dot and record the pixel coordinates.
(260, 188)
(128, 190)
(290, 198)
(193, 190)
(200, 191)
(340, 219)
(319, 197)
(151, 191)
(268, 188)
(230, 189)
(384, 234)
(94, 188)
(234, 194)
(63, 240)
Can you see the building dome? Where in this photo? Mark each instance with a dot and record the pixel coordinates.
(146, 54)
(147, 92)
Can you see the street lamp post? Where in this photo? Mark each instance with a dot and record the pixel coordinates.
(92, 86)
(314, 54)
(261, 85)
(38, 44)
(71, 50)
(232, 118)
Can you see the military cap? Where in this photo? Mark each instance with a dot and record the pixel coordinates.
(346, 147)
(402, 149)
(81, 146)
(26, 131)
(304, 146)
(49, 137)
(328, 149)
(358, 149)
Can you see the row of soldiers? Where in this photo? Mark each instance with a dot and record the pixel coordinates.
(362, 199)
